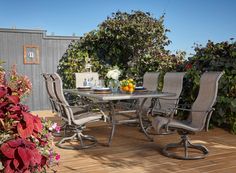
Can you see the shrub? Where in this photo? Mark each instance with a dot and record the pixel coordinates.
(25, 140)
(215, 57)
(135, 42)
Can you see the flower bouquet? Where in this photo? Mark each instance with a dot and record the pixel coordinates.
(127, 85)
(113, 76)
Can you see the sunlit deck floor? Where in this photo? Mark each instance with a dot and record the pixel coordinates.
(131, 152)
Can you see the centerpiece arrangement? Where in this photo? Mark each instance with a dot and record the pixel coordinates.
(113, 78)
(127, 85)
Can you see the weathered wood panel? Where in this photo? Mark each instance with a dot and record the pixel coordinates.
(51, 49)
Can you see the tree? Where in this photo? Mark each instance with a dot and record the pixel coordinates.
(134, 42)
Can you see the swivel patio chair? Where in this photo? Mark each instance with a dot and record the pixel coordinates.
(173, 83)
(164, 106)
(76, 121)
(150, 82)
(199, 117)
(50, 90)
(49, 83)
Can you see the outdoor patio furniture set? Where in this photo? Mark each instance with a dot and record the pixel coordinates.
(154, 110)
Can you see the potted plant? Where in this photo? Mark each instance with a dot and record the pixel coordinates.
(26, 141)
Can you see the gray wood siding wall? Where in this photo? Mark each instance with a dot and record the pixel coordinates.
(51, 50)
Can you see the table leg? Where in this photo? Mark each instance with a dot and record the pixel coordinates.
(140, 115)
(113, 122)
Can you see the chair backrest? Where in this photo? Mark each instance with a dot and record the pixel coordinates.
(50, 90)
(93, 77)
(66, 111)
(206, 99)
(49, 84)
(150, 80)
(173, 83)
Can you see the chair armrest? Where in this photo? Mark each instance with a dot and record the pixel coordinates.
(166, 98)
(69, 106)
(191, 110)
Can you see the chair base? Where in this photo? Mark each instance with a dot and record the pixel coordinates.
(91, 141)
(186, 144)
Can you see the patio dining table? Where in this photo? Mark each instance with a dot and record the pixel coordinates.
(112, 98)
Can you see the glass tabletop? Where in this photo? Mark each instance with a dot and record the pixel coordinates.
(120, 95)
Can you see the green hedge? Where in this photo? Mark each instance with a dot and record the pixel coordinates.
(136, 43)
(214, 57)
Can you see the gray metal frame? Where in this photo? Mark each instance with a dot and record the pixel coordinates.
(113, 97)
(173, 82)
(199, 117)
(75, 120)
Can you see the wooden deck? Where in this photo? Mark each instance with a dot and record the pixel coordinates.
(131, 152)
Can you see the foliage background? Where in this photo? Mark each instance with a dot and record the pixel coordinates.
(214, 57)
(136, 43)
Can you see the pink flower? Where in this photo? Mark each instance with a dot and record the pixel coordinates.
(57, 157)
(55, 127)
(58, 129)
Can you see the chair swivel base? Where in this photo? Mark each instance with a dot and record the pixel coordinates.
(80, 138)
(185, 144)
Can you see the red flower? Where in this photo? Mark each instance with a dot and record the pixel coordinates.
(188, 66)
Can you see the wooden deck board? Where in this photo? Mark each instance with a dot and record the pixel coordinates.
(131, 152)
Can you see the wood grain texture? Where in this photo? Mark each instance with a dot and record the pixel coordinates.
(131, 152)
(51, 49)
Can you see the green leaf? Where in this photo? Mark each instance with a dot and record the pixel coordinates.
(233, 103)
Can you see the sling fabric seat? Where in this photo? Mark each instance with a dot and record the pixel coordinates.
(76, 121)
(150, 82)
(50, 90)
(173, 83)
(199, 117)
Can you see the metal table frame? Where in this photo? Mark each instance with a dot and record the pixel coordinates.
(111, 98)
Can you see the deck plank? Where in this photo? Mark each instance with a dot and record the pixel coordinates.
(131, 152)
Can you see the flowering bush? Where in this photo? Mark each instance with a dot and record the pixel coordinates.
(2, 73)
(19, 84)
(26, 142)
